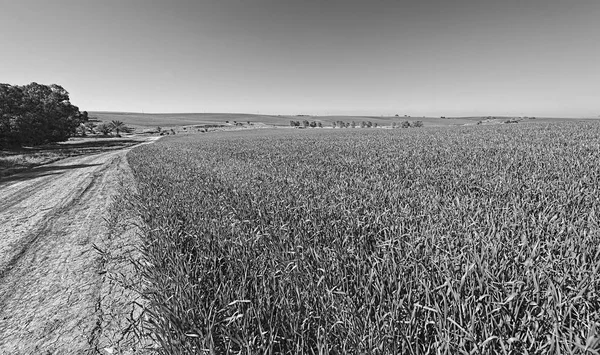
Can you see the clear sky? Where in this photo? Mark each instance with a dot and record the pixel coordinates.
(417, 57)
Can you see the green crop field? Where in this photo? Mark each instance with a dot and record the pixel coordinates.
(460, 240)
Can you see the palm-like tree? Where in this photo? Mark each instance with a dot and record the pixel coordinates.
(104, 128)
(118, 126)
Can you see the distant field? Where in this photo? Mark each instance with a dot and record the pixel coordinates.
(470, 240)
(141, 121)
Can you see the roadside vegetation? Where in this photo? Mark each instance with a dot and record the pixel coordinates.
(477, 240)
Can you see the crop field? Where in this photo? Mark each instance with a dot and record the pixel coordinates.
(460, 240)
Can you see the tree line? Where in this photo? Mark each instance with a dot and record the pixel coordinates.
(37, 114)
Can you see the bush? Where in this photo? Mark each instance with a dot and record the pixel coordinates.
(104, 128)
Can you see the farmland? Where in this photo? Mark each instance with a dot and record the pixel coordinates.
(435, 240)
(144, 121)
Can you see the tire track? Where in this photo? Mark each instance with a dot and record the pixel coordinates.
(50, 281)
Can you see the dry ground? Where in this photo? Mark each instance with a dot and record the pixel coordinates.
(55, 293)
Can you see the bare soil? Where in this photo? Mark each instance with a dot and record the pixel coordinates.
(56, 249)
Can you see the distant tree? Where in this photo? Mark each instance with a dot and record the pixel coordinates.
(118, 126)
(393, 124)
(405, 124)
(369, 124)
(417, 124)
(313, 124)
(353, 124)
(397, 115)
(104, 128)
(90, 127)
(292, 124)
(319, 124)
(375, 125)
(305, 123)
(333, 124)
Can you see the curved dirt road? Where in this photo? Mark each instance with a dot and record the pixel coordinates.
(53, 282)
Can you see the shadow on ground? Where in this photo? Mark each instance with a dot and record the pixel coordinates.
(20, 162)
(42, 171)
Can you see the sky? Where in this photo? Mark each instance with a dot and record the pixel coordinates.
(375, 57)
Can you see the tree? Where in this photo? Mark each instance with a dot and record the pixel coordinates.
(305, 123)
(417, 124)
(292, 123)
(405, 124)
(36, 114)
(118, 126)
(104, 128)
(90, 127)
(353, 124)
(313, 124)
(333, 124)
(319, 124)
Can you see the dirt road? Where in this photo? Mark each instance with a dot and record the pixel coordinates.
(52, 278)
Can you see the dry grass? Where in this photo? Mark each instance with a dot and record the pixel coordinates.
(479, 240)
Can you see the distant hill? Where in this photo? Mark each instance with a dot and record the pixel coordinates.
(147, 120)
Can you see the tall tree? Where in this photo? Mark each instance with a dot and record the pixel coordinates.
(36, 114)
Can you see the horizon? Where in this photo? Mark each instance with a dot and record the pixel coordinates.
(466, 58)
(289, 115)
